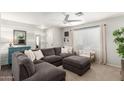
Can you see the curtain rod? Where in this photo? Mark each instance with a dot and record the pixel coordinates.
(85, 27)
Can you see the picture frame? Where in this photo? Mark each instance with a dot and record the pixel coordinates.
(66, 34)
(19, 37)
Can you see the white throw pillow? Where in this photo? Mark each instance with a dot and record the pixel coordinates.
(30, 54)
(38, 54)
(67, 49)
(64, 50)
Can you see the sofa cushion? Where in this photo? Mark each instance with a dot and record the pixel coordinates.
(38, 61)
(63, 55)
(48, 72)
(77, 61)
(28, 64)
(48, 52)
(52, 58)
(57, 50)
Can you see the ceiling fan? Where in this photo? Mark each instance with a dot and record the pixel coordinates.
(66, 20)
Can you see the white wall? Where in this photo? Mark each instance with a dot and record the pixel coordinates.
(66, 43)
(6, 36)
(54, 37)
(112, 24)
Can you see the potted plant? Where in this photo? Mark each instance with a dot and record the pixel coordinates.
(119, 41)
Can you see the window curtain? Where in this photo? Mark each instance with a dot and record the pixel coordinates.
(103, 48)
(87, 39)
(83, 39)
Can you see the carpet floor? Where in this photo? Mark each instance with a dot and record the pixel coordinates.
(6, 73)
(96, 73)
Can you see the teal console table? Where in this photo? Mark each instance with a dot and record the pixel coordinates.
(11, 50)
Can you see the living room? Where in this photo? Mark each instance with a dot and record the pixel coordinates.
(65, 46)
(84, 37)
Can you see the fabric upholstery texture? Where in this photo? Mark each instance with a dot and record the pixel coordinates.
(42, 69)
(52, 58)
(76, 64)
(28, 64)
(47, 72)
(38, 61)
(77, 61)
(19, 71)
(57, 50)
(48, 52)
(24, 69)
(63, 55)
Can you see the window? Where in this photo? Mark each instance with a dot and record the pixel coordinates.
(88, 38)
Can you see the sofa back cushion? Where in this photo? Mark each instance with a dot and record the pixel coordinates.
(57, 50)
(48, 52)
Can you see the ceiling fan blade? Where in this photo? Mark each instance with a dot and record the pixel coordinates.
(66, 18)
(64, 22)
(73, 20)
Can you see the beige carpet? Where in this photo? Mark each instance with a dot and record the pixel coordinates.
(96, 73)
(5, 73)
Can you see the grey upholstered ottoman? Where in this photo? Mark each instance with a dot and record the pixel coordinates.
(77, 64)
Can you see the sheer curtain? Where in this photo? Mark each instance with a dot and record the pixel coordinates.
(88, 38)
(103, 45)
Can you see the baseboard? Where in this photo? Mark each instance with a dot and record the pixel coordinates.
(114, 65)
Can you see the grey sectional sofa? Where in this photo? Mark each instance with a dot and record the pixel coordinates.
(42, 70)
(24, 69)
(54, 55)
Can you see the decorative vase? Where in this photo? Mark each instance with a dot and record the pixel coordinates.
(10, 44)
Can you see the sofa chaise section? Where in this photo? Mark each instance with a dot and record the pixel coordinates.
(47, 72)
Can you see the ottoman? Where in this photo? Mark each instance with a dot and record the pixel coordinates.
(77, 64)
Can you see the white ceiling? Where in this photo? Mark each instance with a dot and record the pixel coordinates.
(46, 19)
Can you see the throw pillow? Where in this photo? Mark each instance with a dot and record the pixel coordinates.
(70, 50)
(67, 49)
(30, 54)
(38, 54)
(64, 50)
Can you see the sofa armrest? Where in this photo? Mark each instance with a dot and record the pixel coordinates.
(22, 67)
